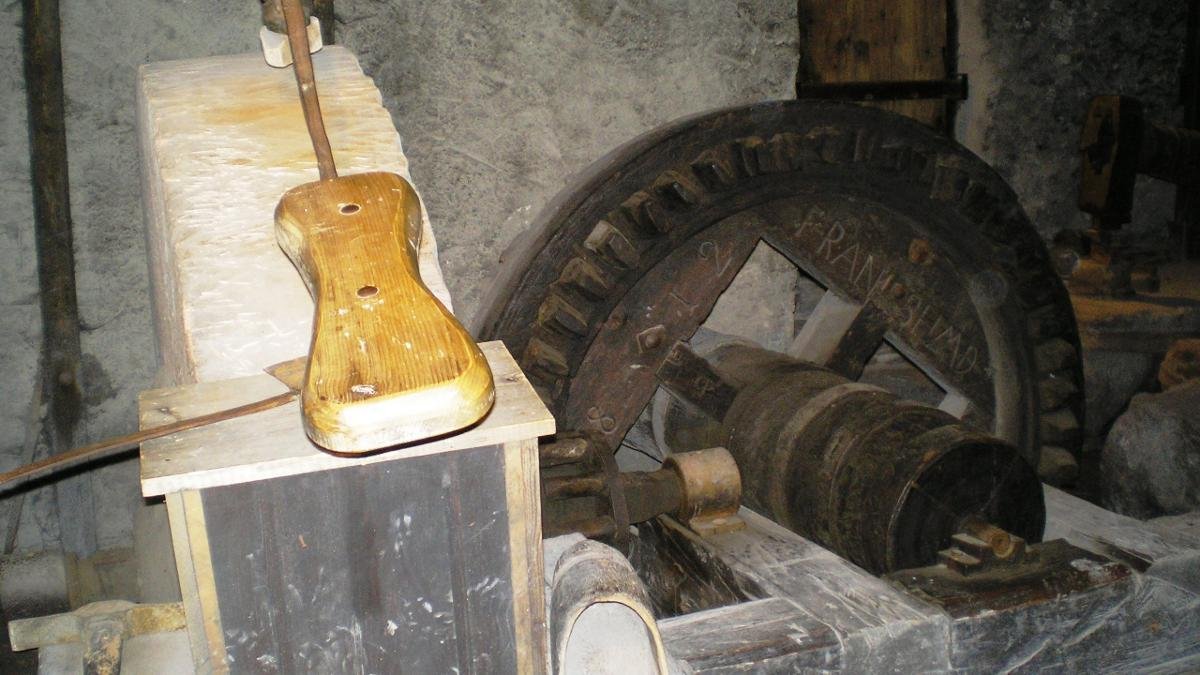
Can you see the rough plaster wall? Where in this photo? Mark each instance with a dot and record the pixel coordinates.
(497, 103)
(20, 326)
(1035, 64)
(103, 45)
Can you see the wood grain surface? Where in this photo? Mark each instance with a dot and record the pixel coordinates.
(273, 443)
(388, 364)
(222, 138)
(861, 41)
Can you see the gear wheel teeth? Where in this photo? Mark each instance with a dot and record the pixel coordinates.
(677, 190)
(1054, 355)
(547, 357)
(765, 156)
(832, 146)
(646, 214)
(890, 156)
(922, 165)
(1060, 427)
(1045, 322)
(865, 144)
(559, 314)
(1056, 390)
(611, 244)
(585, 279)
(780, 154)
(949, 181)
(749, 150)
(978, 204)
(715, 170)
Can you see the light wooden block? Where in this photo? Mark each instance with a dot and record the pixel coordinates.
(222, 139)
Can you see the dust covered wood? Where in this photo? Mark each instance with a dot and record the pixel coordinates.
(273, 443)
(222, 139)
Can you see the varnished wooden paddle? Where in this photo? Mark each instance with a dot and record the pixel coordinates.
(388, 364)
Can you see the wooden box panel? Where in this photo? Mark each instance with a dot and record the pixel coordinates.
(400, 566)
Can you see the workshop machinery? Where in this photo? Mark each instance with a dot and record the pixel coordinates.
(914, 247)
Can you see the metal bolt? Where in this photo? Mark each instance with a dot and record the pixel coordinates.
(651, 338)
(920, 252)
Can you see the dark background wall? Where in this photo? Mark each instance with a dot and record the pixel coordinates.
(1035, 64)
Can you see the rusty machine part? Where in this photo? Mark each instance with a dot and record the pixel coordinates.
(582, 490)
(882, 482)
(918, 243)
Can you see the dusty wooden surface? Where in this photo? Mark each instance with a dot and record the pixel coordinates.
(427, 556)
(407, 566)
(222, 139)
(802, 607)
(389, 364)
(858, 40)
(273, 443)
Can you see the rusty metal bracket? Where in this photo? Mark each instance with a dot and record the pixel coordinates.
(951, 89)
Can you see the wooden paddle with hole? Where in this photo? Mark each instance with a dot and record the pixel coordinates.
(389, 364)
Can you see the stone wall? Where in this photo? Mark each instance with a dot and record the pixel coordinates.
(1035, 64)
(497, 103)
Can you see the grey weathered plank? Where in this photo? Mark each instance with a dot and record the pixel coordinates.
(272, 443)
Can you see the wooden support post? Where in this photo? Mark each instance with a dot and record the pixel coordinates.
(61, 354)
(867, 41)
(323, 10)
(1185, 228)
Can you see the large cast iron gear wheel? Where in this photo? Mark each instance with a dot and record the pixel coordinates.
(900, 224)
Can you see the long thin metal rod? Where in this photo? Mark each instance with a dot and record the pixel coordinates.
(115, 446)
(297, 31)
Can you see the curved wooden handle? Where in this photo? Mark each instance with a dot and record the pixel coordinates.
(389, 364)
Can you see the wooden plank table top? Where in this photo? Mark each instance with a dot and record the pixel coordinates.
(272, 444)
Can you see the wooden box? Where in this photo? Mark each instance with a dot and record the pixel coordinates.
(421, 559)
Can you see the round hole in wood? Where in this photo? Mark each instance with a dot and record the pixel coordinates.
(367, 291)
(349, 209)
